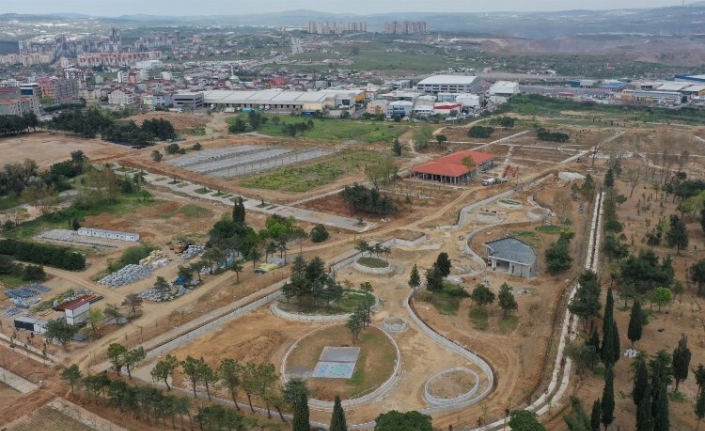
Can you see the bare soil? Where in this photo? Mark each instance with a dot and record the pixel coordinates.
(48, 149)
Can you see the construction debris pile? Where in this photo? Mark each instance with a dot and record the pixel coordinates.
(162, 295)
(127, 275)
(192, 251)
(156, 259)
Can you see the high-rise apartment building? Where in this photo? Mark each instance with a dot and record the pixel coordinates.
(406, 27)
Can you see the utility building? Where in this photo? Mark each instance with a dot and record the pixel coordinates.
(517, 257)
(449, 84)
(455, 168)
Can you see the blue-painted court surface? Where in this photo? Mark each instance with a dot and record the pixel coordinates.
(336, 363)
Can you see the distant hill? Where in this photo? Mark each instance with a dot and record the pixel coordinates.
(533, 25)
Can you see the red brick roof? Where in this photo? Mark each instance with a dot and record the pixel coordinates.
(452, 165)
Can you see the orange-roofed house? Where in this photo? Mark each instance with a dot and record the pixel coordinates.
(450, 169)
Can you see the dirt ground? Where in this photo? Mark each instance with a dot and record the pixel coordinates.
(48, 149)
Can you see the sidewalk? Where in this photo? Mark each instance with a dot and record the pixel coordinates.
(16, 382)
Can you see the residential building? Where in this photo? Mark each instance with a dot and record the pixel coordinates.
(405, 27)
(188, 100)
(122, 98)
(61, 90)
(12, 102)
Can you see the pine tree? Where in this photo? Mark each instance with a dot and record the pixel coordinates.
(635, 323)
(681, 360)
(608, 348)
(607, 404)
(700, 407)
(644, 416)
(301, 421)
(396, 148)
(415, 278)
(337, 422)
(443, 263)
(609, 179)
(239, 211)
(661, 419)
(596, 416)
(610, 337)
(641, 386)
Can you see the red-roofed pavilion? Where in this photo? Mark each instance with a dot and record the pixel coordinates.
(450, 169)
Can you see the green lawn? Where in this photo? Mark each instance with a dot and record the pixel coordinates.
(334, 129)
(307, 176)
(373, 262)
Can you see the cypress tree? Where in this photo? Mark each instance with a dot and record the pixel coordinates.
(414, 278)
(681, 360)
(661, 419)
(607, 404)
(595, 416)
(609, 350)
(609, 313)
(700, 407)
(337, 422)
(301, 421)
(615, 343)
(641, 384)
(635, 320)
(644, 416)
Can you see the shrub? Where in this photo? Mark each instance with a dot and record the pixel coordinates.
(480, 132)
(319, 233)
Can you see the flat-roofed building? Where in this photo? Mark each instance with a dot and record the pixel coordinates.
(449, 84)
(190, 100)
(504, 88)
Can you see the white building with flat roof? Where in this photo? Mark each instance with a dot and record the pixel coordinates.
(449, 84)
(504, 88)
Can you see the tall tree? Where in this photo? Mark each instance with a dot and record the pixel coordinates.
(72, 375)
(609, 179)
(337, 422)
(482, 295)
(408, 421)
(134, 357)
(700, 407)
(434, 279)
(164, 369)
(414, 278)
(525, 420)
(641, 382)
(507, 302)
(249, 381)
(662, 420)
(301, 415)
(443, 263)
(293, 389)
(677, 234)
(596, 415)
(644, 414)
(577, 420)
(661, 296)
(699, 374)
(607, 403)
(116, 355)
(608, 327)
(207, 375)
(681, 361)
(636, 319)
(230, 374)
(396, 148)
(190, 367)
(586, 302)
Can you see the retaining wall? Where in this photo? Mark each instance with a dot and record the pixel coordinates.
(374, 271)
(307, 318)
(459, 399)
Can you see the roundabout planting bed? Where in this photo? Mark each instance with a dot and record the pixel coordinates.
(451, 386)
(342, 307)
(509, 203)
(375, 363)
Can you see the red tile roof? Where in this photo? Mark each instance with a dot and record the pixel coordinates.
(452, 165)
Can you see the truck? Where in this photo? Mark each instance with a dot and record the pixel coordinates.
(489, 181)
(248, 110)
(229, 110)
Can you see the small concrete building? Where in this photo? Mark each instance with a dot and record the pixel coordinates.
(76, 311)
(188, 100)
(109, 234)
(517, 257)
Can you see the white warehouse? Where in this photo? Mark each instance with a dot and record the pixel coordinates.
(109, 234)
(449, 84)
(504, 88)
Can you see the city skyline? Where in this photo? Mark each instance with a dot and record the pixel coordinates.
(360, 7)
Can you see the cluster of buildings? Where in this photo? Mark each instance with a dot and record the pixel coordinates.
(17, 97)
(336, 28)
(405, 27)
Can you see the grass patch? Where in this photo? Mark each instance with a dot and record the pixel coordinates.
(447, 301)
(9, 202)
(528, 236)
(373, 262)
(479, 317)
(333, 129)
(551, 229)
(304, 177)
(124, 204)
(190, 211)
(347, 303)
(508, 323)
(677, 397)
(202, 191)
(175, 182)
(510, 202)
(12, 281)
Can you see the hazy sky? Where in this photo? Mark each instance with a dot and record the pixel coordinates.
(362, 7)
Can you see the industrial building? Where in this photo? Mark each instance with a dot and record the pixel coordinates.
(188, 100)
(696, 79)
(450, 169)
(279, 99)
(31, 324)
(651, 95)
(517, 257)
(504, 89)
(449, 84)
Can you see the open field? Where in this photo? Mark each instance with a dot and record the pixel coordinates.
(49, 419)
(334, 130)
(48, 149)
(307, 176)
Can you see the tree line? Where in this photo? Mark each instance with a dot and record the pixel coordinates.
(15, 124)
(546, 135)
(43, 254)
(361, 199)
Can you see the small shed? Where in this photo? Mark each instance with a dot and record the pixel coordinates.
(517, 257)
(109, 234)
(31, 324)
(76, 311)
